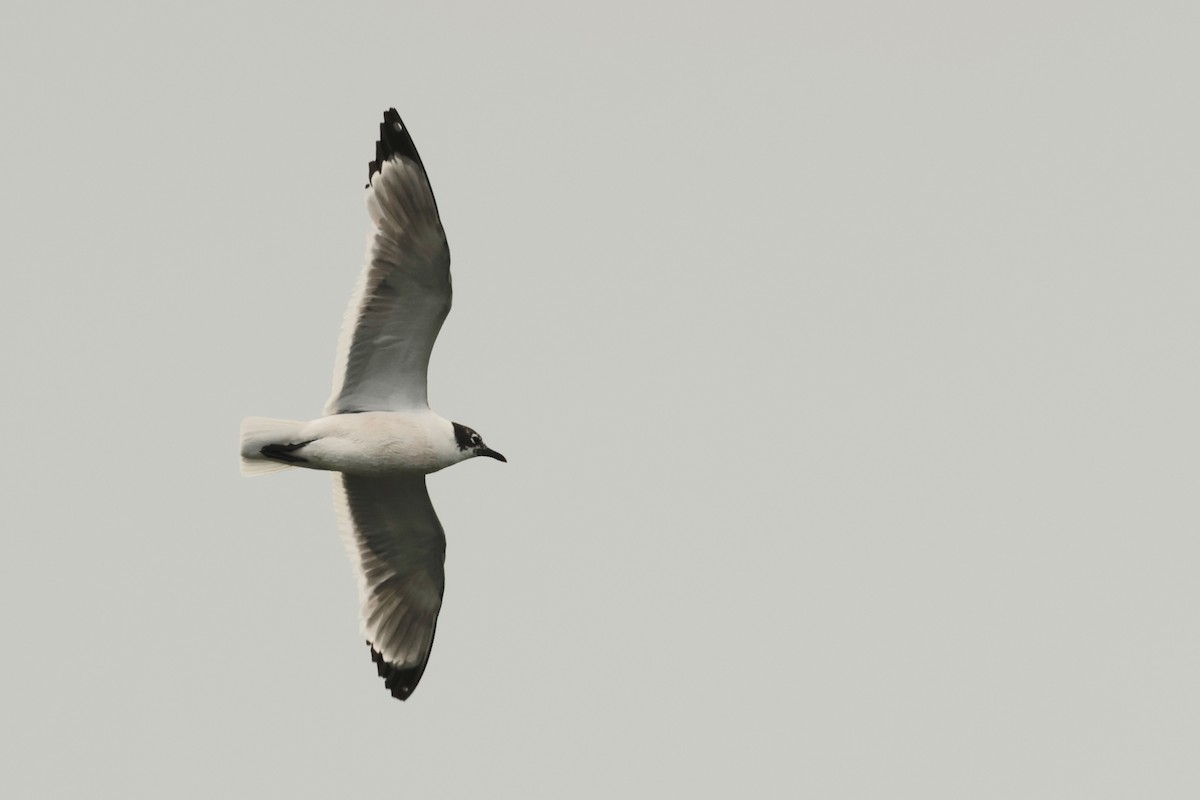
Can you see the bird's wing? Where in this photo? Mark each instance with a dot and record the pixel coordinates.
(398, 548)
(403, 295)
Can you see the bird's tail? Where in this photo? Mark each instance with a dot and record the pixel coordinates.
(260, 432)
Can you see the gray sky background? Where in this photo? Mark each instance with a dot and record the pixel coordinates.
(845, 355)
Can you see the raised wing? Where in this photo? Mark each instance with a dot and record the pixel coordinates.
(403, 295)
(398, 548)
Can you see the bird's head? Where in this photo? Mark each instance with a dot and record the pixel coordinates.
(470, 443)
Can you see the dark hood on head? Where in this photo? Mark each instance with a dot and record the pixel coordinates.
(462, 435)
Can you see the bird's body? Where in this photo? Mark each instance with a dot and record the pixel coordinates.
(369, 443)
(378, 433)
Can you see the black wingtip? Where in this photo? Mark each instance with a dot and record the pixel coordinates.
(400, 681)
(393, 141)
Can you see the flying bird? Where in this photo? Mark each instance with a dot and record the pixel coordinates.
(379, 436)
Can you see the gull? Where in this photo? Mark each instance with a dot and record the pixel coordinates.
(379, 436)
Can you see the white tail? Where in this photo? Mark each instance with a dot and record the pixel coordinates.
(257, 432)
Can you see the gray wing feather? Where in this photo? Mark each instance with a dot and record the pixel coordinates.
(402, 298)
(396, 542)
